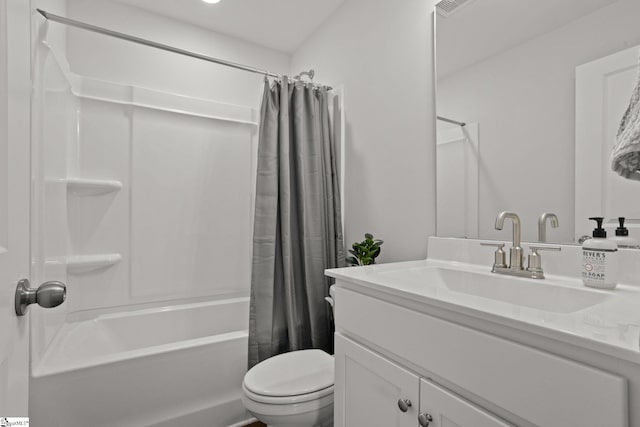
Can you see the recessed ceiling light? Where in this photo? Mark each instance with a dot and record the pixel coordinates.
(211, 1)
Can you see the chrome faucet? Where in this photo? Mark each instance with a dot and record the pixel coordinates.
(515, 253)
(542, 225)
(515, 267)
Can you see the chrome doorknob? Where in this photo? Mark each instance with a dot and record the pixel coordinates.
(404, 404)
(424, 420)
(49, 294)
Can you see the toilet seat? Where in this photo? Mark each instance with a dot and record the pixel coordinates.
(288, 400)
(290, 378)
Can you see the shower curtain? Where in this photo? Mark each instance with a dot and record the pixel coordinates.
(297, 229)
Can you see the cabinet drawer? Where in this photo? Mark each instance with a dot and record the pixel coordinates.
(544, 389)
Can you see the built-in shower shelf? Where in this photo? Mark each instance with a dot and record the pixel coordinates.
(82, 264)
(92, 187)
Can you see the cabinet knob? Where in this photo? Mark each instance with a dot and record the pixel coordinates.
(404, 404)
(424, 419)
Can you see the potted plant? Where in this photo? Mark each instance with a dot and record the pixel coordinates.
(365, 252)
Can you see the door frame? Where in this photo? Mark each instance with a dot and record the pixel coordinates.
(15, 153)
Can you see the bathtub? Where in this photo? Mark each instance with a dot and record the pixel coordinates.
(171, 366)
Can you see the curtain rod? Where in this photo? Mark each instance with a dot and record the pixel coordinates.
(161, 46)
(444, 119)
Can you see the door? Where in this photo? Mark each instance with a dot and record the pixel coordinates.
(441, 408)
(371, 390)
(14, 202)
(603, 91)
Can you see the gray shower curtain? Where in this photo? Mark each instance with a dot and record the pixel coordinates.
(297, 229)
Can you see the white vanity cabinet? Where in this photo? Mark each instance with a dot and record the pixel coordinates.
(446, 409)
(390, 348)
(370, 388)
(374, 391)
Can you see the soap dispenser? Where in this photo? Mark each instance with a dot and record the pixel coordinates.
(599, 259)
(622, 236)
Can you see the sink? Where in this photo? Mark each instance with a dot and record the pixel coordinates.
(538, 294)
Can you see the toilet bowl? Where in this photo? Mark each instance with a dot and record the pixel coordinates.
(292, 389)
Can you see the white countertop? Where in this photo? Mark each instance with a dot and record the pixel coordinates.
(606, 321)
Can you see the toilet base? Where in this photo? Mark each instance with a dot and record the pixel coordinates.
(317, 413)
(323, 418)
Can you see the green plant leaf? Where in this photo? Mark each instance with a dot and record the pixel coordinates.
(365, 252)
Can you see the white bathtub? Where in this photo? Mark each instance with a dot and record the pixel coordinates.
(178, 365)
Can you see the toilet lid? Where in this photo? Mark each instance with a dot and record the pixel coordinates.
(291, 374)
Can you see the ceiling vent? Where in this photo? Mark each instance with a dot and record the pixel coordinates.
(449, 7)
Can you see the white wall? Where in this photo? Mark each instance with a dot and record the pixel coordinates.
(107, 58)
(523, 100)
(381, 52)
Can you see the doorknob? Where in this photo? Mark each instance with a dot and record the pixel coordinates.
(49, 294)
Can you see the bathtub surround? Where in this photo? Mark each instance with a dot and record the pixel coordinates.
(298, 230)
(199, 151)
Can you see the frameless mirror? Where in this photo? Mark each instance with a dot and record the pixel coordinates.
(530, 95)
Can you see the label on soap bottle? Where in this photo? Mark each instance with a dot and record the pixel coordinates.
(598, 268)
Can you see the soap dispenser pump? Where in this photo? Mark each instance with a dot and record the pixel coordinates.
(622, 236)
(599, 259)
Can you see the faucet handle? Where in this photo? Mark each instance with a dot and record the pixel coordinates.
(497, 245)
(535, 260)
(536, 248)
(499, 256)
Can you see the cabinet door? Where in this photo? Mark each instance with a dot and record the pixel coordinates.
(449, 410)
(370, 389)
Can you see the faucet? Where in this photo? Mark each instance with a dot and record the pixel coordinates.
(542, 225)
(515, 268)
(515, 253)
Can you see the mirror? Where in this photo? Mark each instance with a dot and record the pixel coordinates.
(541, 87)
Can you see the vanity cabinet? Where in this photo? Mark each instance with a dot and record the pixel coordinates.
(374, 391)
(369, 389)
(389, 349)
(447, 409)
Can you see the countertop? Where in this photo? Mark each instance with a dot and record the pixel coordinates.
(599, 320)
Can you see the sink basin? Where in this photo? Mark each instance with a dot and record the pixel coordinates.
(538, 294)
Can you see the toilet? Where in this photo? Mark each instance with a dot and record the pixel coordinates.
(293, 389)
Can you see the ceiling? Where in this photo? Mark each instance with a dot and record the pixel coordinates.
(484, 28)
(278, 24)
